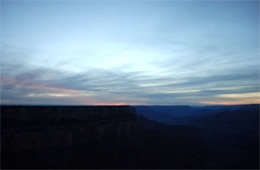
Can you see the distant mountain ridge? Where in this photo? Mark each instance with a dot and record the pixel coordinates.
(166, 113)
(231, 133)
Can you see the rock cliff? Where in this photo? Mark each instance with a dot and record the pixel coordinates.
(106, 137)
(40, 134)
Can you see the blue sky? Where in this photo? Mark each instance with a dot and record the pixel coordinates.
(130, 52)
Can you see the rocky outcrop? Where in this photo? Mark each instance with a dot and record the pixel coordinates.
(94, 137)
(41, 131)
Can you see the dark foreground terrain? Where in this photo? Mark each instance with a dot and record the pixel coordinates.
(119, 137)
(94, 137)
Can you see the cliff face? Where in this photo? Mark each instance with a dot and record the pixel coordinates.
(39, 135)
(94, 137)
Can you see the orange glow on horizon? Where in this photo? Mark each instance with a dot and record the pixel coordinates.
(89, 98)
(37, 86)
(82, 97)
(240, 102)
(112, 104)
(109, 103)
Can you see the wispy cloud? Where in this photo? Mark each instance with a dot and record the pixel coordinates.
(105, 86)
(126, 53)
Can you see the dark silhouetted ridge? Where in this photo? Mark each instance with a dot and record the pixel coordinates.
(94, 137)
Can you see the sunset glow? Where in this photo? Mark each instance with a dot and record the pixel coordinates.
(130, 52)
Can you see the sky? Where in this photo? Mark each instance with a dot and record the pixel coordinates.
(147, 52)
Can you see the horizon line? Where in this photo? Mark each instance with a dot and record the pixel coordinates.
(124, 105)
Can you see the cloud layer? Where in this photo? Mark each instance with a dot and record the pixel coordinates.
(91, 53)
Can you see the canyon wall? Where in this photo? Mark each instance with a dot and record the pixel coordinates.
(51, 136)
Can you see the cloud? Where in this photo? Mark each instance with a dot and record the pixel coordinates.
(35, 85)
(166, 72)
